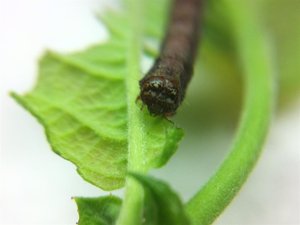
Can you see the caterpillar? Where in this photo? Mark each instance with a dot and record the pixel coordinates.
(163, 88)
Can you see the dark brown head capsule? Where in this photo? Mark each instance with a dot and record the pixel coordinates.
(164, 86)
(160, 94)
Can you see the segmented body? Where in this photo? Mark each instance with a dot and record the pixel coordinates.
(164, 86)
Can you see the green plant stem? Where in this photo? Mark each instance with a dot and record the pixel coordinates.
(252, 50)
(131, 211)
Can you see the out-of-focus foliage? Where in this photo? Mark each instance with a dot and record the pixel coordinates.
(282, 20)
(216, 90)
(162, 204)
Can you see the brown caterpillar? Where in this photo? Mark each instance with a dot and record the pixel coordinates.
(164, 86)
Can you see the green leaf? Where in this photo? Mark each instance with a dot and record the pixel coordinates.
(98, 211)
(162, 204)
(254, 54)
(86, 102)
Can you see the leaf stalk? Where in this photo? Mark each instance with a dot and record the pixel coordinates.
(207, 204)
